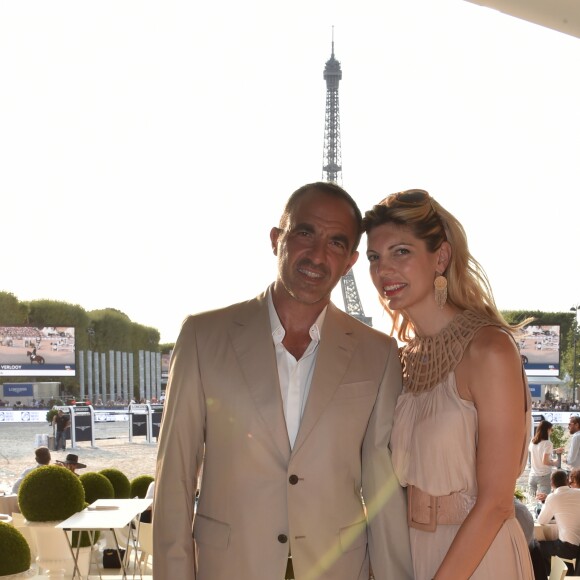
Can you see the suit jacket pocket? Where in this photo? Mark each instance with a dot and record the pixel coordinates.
(353, 390)
(353, 537)
(211, 532)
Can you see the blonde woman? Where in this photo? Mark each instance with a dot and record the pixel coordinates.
(461, 430)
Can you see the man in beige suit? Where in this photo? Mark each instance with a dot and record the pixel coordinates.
(287, 403)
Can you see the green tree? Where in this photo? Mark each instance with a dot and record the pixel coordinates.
(113, 330)
(98, 330)
(12, 312)
(567, 323)
(55, 313)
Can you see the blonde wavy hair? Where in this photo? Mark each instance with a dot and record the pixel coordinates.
(468, 287)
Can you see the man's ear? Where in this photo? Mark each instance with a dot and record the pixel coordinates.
(351, 263)
(274, 235)
(444, 257)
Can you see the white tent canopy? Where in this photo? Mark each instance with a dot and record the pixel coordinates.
(534, 380)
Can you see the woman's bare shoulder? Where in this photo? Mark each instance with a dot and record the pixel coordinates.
(492, 344)
(491, 355)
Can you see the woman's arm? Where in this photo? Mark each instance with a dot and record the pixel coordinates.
(490, 375)
(547, 461)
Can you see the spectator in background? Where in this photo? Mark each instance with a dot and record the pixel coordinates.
(525, 519)
(42, 455)
(574, 478)
(573, 455)
(62, 423)
(563, 505)
(72, 463)
(541, 448)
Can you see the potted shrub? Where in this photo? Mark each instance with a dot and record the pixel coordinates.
(50, 493)
(139, 485)
(558, 437)
(14, 552)
(119, 481)
(96, 486)
(50, 415)
(47, 496)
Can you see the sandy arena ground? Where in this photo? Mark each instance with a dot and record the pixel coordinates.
(112, 449)
(133, 459)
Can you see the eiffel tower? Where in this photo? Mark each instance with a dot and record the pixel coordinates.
(332, 171)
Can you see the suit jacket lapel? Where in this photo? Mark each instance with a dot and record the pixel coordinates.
(336, 348)
(252, 341)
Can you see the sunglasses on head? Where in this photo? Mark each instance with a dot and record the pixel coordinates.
(412, 196)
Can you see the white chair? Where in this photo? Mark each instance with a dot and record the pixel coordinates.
(144, 550)
(145, 543)
(558, 569)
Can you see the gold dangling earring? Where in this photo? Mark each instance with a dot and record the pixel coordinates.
(440, 284)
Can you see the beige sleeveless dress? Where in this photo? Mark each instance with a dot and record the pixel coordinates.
(434, 442)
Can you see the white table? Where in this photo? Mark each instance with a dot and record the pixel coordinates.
(9, 504)
(545, 532)
(108, 514)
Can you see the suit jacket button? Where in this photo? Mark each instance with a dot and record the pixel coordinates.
(293, 479)
(282, 538)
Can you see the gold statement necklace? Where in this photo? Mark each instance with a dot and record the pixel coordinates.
(428, 360)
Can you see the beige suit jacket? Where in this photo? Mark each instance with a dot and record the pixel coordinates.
(258, 498)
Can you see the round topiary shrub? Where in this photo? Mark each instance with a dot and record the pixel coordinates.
(14, 551)
(139, 485)
(97, 486)
(120, 482)
(50, 493)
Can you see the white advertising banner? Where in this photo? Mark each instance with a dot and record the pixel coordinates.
(555, 417)
(25, 416)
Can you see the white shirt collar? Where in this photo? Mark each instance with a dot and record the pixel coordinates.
(278, 331)
(562, 489)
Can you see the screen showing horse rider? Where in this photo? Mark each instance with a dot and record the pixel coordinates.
(32, 351)
(540, 349)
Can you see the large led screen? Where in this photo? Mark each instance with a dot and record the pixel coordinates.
(32, 351)
(540, 350)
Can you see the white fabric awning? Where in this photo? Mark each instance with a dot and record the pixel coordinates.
(535, 380)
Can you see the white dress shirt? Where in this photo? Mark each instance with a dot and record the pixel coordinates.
(18, 482)
(564, 505)
(295, 375)
(573, 455)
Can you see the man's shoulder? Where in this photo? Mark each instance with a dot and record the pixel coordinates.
(565, 493)
(363, 332)
(572, 497)
(355, 324)
(215, 322)
(226, 312)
